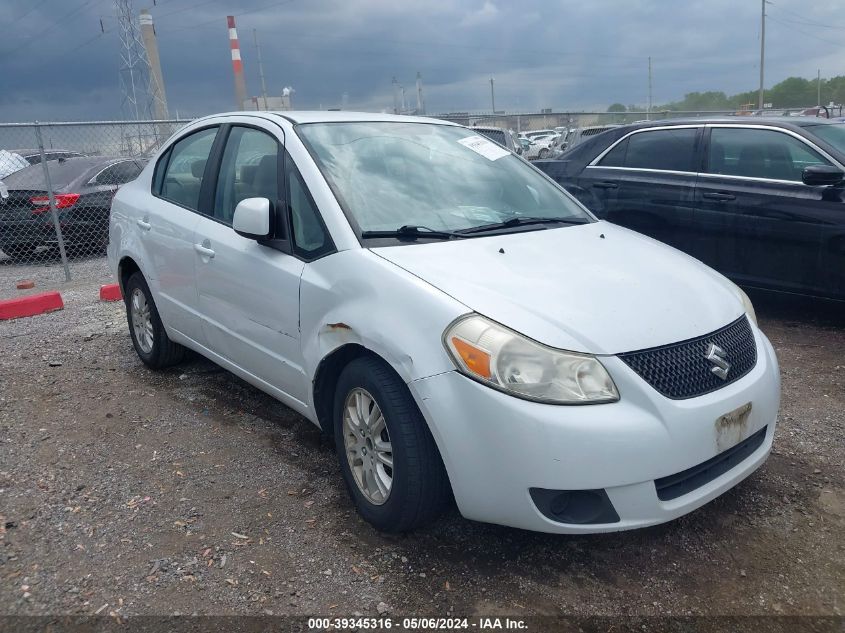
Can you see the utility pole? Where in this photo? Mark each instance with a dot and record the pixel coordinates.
(648, 110)
(819, 87)
(395, 96)
(762, 52)
(260, 67)
(492, 94)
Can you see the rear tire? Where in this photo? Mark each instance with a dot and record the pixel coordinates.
(151, 342)
(418, 485)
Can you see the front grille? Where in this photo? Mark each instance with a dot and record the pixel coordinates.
(686, 481)
(681, 370)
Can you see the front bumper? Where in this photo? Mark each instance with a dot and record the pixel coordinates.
(497, 447)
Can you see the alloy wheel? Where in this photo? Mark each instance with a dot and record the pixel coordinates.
(367, 445)
(142, 323)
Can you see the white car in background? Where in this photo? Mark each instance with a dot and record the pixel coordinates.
(541, 146)
(462, 326)
(10, 162)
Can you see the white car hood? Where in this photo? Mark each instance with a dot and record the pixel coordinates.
(594, 288)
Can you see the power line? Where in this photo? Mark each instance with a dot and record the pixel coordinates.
(26, 13)
(60, 22)
(804, 19)
(191, 27)
(795, 28)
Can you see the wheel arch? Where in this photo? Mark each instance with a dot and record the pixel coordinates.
(326, 377)
(125, 269)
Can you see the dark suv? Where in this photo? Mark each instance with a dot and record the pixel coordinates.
(761, 201)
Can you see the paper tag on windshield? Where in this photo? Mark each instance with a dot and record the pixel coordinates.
(487, 148)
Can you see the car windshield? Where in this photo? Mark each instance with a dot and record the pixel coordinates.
(445, 178)
(832, 133)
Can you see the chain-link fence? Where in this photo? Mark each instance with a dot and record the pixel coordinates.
(533, 121)
(57, 181)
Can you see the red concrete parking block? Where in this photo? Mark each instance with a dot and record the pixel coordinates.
(25, 284)
(110, 292)
(30, 306)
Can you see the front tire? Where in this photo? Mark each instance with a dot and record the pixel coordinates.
(151, 342)
(389, 460)
(544, 153)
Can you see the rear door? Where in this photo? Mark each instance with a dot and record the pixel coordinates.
(759, 223)
(166, 228)
(646, 182)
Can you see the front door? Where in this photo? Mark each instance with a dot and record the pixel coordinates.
(759, 223)
(249, 292)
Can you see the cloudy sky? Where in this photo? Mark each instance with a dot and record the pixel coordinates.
(56, 64)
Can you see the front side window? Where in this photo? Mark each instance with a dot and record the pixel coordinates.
(250, 169)
(756, 153)
(388, 175)
(832, 133)
(184, 172)
(310, 238)
(669, 150)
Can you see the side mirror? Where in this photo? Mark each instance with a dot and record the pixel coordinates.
(253, 219)
(822, 175)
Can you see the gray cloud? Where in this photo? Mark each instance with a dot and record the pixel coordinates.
(56, 64)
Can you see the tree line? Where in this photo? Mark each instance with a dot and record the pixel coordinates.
(793, 92)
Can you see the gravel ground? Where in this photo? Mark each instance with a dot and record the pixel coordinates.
(188, 491)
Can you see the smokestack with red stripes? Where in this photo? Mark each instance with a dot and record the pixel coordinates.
(237, 64)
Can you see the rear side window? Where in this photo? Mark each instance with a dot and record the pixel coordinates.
(119, 173)
(497, 136)
(755, 153)
(250, 169)
(184, 171)
(616, 156)
(669, 150)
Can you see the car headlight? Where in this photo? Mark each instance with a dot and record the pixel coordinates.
(749, 307)
(510, 362)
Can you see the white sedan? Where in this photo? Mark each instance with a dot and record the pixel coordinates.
(541, 146)
(461, 325)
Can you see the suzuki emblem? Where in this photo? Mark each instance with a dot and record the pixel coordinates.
(716, 355)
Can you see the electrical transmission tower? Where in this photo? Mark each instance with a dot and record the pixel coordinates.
(138, 95)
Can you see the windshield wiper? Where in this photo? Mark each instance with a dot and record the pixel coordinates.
(412, 232)
(522, 221)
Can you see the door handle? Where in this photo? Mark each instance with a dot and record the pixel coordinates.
(606, 184)
(204, 251)
(721, 197)
(144, 224)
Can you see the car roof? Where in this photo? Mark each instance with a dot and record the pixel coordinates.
(784, 122)
(341, 116)
(488, 127)
(34, 150)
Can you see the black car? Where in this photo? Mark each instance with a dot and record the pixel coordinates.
(760, 200)
(83, 189)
